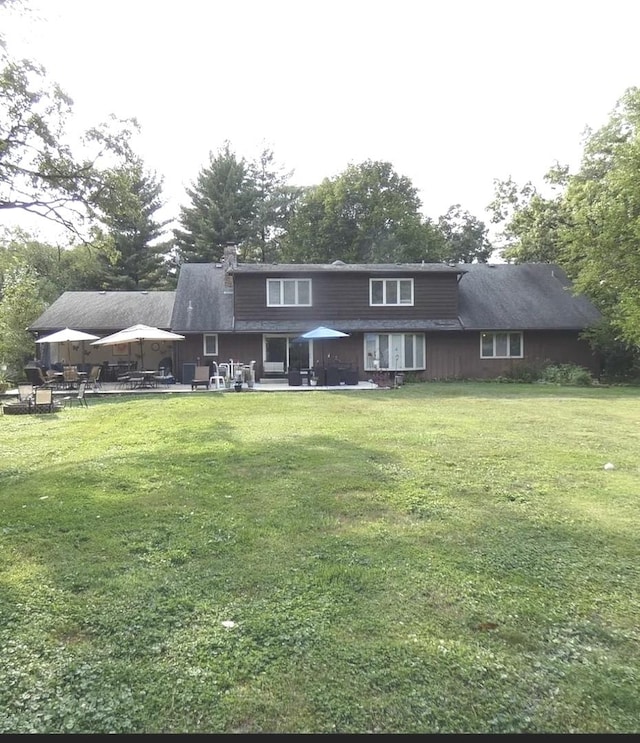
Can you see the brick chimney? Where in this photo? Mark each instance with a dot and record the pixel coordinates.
(229, 262)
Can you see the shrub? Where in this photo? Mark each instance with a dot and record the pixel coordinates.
(570, 374)
(526, 374)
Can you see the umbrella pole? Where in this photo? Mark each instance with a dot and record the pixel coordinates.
(324, 364)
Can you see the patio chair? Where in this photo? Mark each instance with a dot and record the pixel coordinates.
(80, 397)
(166, 364)
(200, 378)
(35, 377)
(123, 381)
(164, 376)
(93, 379)
(43, 401)
(216, 379)
(136, 380)
(25, 392)
(52, 377)
(70, 376)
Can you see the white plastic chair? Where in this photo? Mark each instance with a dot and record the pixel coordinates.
(217, 380)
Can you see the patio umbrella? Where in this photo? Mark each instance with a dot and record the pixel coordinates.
(139, 333)
(321, 333)
(68, 336)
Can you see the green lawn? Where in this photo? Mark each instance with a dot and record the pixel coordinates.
(436, 558)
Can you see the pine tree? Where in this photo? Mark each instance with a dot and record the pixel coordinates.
(134, 257)
(222, 209)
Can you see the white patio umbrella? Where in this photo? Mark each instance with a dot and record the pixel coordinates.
(139, 333)
(68, 336)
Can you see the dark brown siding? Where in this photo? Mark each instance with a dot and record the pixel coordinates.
(337, 297)
(449, 355)
(457, 355)
(244, 348)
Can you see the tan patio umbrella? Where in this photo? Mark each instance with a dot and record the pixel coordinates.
(68, 336)
(139, 333)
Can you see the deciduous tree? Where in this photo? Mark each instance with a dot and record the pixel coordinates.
(367, 214)
(591, 225)
(40, 171)
(466, 236)
(531, 222)
(602, 242)
(20, 304)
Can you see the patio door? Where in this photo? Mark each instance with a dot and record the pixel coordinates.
(282, 349)
(275, 349)
(299, 354)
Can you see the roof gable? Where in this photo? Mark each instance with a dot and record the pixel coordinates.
(202, 304)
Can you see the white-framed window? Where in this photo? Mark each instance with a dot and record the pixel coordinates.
(391, 292)
(501, 345)
(384, 351)
(288, 292)
(210, 344)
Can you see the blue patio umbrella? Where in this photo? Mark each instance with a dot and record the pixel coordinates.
(321, 333)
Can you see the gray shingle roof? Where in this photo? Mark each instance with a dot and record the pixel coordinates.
(201, 304)
(491, 297)
(528, 296)
(339, 267)
(347, 326)
(106, 311)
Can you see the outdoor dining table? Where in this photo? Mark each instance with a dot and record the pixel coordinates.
(61, 383)
(145, 378)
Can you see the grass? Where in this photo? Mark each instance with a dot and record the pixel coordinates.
(438, 558)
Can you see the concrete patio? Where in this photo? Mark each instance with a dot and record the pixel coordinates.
(272, 385)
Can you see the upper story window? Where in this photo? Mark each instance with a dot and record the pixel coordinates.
(210, 344)
(391, 291)
(501, 345)
(288, 292)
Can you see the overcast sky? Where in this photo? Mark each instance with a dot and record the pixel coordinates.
(453, 93)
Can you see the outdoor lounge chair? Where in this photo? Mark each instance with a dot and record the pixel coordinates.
(16, 407)
(35, 377)
(24, 403)
(201, 377)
